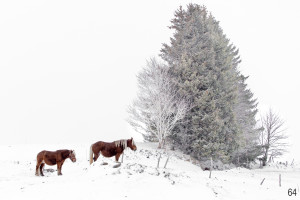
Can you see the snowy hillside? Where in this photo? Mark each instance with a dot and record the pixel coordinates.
(136, 178)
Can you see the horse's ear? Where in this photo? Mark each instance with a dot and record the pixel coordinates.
(131, 138)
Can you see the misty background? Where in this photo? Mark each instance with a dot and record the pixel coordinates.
(68, 68)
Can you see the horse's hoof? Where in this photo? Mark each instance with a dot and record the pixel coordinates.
(117, 165)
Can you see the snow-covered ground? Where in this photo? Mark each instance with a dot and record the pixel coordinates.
(136, 178)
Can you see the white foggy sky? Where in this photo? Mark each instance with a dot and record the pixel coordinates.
(67, 68)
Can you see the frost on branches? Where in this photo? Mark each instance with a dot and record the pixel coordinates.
(157, 108)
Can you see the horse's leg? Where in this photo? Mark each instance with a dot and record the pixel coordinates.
(59, 164)
(38, 163)
(37, 168)
(39, 160)
(117, 157)
(41, 169)
(96, 156)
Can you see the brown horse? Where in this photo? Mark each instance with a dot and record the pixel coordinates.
(52, 158)
(115, 148)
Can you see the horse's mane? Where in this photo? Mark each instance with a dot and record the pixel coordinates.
(73, 152)
(133, 143)
(121, 143)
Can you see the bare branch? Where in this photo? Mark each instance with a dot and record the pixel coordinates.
(272, 137)
(158, 107)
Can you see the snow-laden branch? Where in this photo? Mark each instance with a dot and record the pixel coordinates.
(158, 107)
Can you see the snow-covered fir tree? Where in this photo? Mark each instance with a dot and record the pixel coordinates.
(204, 69)
(245, 111)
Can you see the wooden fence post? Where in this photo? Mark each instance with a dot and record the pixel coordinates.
(262, 181)
(211, 165)
(166, 162)
(158, 160)
(279, 180)
(247, 163)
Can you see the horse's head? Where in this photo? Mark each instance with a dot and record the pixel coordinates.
(131, 144)
(72, 155)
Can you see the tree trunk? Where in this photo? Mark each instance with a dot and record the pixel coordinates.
(160, 146)
(264, 161)
(265, 158)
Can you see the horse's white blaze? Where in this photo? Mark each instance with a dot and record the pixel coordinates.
(72, 155)
(73, 152)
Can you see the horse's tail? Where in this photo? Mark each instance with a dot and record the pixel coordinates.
(91, 155)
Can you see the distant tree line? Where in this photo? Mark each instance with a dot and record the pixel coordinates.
(199, 100)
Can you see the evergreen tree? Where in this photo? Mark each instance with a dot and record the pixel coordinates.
(245, 109)
(204, 69)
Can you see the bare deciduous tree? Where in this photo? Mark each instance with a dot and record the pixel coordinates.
(158, 107)
(272, 137)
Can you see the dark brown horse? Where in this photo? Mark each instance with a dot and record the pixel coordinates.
(110, 149)
(52, 158)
